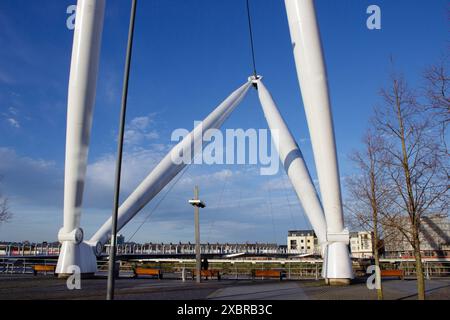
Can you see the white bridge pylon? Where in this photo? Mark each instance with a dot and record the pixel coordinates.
(167, 169)
(326, 221)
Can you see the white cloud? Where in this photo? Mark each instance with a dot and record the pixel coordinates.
(278, 183)
(239, 205)
(30, 181)
(139, 131)
(13, 111)
(208, 180)
(137, 164)
(13, 123)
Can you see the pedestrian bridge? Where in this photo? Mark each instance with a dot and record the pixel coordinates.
(157, 249)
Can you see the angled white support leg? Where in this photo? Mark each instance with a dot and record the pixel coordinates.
(82, 87)
(294, 163)
(167, 169)
(313, 82)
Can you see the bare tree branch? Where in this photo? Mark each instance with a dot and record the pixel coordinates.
(5, 214)
(416, 167)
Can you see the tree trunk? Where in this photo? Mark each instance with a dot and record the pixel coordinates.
(419, 265)
(377, 264)
(375, 242)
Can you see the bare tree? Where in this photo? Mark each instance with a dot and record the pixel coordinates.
(369, 193)
(414, 163)
(5, 214)
(437, 81)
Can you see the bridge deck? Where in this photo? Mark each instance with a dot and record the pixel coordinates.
(41, 287)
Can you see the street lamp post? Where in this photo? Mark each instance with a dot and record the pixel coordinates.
(197, 204)
(123, 112)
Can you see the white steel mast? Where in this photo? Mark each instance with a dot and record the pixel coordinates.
(313, 81)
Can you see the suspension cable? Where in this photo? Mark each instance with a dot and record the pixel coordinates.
(159, 202)
(219, 205)
(285, 188)
(251, 38)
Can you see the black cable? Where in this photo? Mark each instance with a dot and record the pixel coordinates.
(251, 38)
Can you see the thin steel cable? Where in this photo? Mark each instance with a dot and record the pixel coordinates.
(271, 211)
(249, 18)
(159, 203)
(285, 187)
(219, 204)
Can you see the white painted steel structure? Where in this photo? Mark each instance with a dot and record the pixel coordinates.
(292, 159)
(327, 222)
(81, 98)
(166, 170)
(313, 81)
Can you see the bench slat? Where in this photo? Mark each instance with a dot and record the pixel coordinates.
(268, 274)
(44, 268)
(392, 273)
(148, 272)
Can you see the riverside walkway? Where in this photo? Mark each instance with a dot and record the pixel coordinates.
(26, 287)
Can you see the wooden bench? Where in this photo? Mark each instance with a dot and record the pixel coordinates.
(267, 274)
(393, 273)
(43, 268)
(148, 272)
(207, 274)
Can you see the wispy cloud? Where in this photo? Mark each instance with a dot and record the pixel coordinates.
(140, 130)
(14, 123)
(30, 181)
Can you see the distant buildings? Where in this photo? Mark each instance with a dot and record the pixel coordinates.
(306, 242)
(434, 237)
(361, 244)
(303, 242)
(120, 239)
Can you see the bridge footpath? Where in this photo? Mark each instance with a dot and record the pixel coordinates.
(26, 287)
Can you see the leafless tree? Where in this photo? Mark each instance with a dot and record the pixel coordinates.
(369, 192)
(437, 81)
(415, 164)
(5, 214)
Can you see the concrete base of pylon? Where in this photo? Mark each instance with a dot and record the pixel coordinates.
(76, 258)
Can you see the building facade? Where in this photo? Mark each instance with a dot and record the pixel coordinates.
(303, 242)
(361, 244)
(434, 238)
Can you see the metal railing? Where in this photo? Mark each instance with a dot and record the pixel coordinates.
(45, 249)
(229, 269)
(22, 266)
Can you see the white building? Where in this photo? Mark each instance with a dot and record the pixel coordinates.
(361, 244)
(302, 242)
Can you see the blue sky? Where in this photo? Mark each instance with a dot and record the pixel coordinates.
(189, 55)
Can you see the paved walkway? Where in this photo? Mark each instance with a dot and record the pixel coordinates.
(25, 287)
(271, 291)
